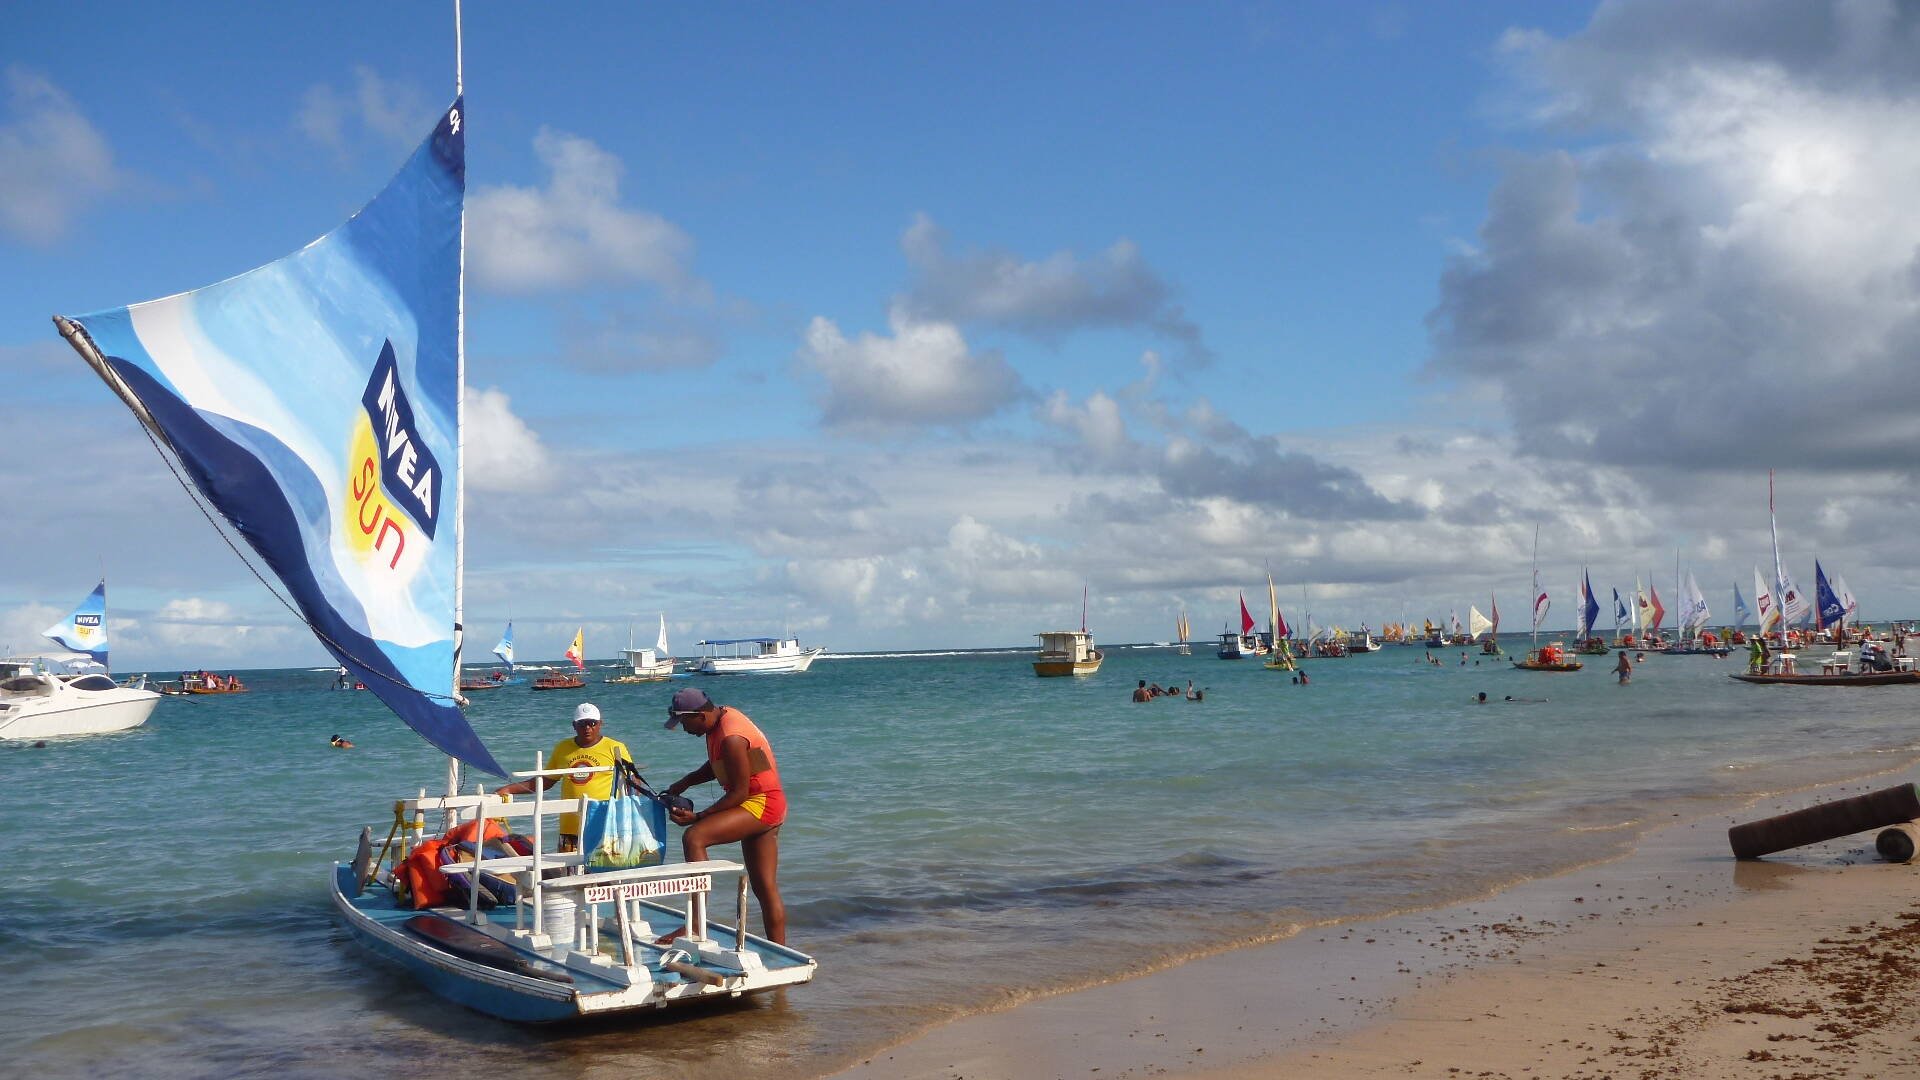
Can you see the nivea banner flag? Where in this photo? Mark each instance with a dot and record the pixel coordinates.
(315, 403)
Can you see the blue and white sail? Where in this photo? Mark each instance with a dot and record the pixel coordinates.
(85, 631)
(1740, 610)
(1694, 612)
(504, 650)
(315, 403)
(1589, 607)
(1847, 600)
(1619, 612)
(1828, 609)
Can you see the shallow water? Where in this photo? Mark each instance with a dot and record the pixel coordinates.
(962, 836)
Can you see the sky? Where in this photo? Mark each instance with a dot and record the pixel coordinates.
(894, 326)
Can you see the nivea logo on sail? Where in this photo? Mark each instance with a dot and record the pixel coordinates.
(394, 479)
(86, 620)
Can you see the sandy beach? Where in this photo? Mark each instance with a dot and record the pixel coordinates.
(1674, 961)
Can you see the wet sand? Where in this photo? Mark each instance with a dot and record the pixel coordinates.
(1674, 961)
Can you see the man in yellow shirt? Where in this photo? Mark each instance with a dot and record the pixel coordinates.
(588, 749)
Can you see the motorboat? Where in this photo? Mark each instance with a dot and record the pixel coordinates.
(755, 656)
(38, 704)
(1066, 652)
(647, 665)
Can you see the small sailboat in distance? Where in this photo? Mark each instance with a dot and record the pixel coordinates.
(1554, 656)
(568, 680)
(1185, 631)
(497, 679)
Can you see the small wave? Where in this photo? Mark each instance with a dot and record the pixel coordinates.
(1615, 827)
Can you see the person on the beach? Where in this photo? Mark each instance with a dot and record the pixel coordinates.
(588, 749)
(751, 809)
(1624, 669)
(1140, 692)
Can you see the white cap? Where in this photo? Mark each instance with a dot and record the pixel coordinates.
(586, 711)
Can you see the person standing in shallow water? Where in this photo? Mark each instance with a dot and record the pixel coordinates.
(752, 808)
(1624, 669)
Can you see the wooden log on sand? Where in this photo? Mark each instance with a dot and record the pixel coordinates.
(1843, 817)
(1897, 843)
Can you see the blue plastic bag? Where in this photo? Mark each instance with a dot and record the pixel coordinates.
(617, 834)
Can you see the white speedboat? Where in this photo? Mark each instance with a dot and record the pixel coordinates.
(37, 704)
(755, 656)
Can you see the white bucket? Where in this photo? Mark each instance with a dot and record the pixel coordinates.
(559, 918)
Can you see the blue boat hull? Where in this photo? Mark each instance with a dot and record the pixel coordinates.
(463, 982)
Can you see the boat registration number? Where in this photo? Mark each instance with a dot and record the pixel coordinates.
(641, 890)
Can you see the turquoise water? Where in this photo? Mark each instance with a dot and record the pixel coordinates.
(963, 835)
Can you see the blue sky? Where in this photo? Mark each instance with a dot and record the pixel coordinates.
(893, 323)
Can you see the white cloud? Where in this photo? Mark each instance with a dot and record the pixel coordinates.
(1054, 296)
(395, 113)
(502, 452)
(53, 163)
(1722, 260)
(923, 374)
(573, 231)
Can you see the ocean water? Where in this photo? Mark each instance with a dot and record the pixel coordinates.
(962, 836)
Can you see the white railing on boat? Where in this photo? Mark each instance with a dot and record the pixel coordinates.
(625, 888)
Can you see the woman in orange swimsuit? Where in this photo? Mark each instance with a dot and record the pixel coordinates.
(752, 808)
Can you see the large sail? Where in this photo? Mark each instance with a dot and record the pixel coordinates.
(1477, 623)
(660, 643)
(315, 403)
(85, 631)
(1828, 609)
(1740, 611)
(1851, 605)
(1619, 612)
(577, 652)
(504, 650)
(1656, 612)
(1246, 617)
(1763, 602)
(1589, 607)
(1794, 609)
(1693, 608)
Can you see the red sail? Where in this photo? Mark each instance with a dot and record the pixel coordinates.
(1246, 618)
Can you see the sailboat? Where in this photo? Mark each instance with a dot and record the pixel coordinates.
(1184, 630)
(496, 679)
(1694, 639)
(1281, 656)
(1585, 641)
(1235, 644)
(1478, 625)
(563, 679)
(316, 405)
(39, 702)
(648, 665)
(1553, 657)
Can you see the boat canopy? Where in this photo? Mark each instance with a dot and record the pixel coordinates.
(744, 641)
